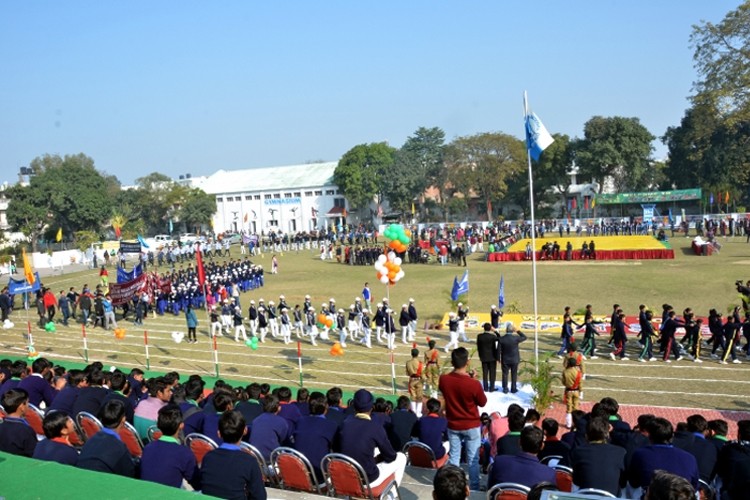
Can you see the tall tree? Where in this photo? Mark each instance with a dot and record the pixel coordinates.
(361, 171)
(481, 165)
(722, 59)
(196, 208)
(615, 149)
(416, 167)
(64, 192)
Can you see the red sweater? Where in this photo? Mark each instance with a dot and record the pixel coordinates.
(463, 397)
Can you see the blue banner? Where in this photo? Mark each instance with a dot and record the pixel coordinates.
(124, 276)
(21, 286)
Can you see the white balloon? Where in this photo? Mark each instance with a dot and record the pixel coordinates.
(178, 336)
(397, 261)
(400, 275)
(382, 258)
(379, 266)
(391, 256)
(384, 280)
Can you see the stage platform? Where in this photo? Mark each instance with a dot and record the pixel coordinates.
(607, 248)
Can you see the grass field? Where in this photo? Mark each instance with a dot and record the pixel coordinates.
(688, 280)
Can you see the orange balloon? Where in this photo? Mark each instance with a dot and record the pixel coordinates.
(407, 232)
(392, 275)
(322, 318)
(329, 322)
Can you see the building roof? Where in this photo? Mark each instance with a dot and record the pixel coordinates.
(270, 178)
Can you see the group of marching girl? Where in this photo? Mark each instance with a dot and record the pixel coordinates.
(305, 321)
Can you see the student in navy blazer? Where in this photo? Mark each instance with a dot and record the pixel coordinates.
(523, 468)
(315, 435)
(58, 426)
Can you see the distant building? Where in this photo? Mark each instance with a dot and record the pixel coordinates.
(288, 199)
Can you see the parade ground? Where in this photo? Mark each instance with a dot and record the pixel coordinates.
(686, 281)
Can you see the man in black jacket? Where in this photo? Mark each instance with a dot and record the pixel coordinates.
(598, 464)
(508, 355)
(486, 349)
(694, 442)
(105, 451)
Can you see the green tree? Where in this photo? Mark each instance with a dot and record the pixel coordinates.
(481, 165)
(722, 59)
(196, 209)
(617, 149)
(416, 167)
(361, 171)
(64, 192)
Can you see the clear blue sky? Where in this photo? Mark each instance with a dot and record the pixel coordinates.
(189, 86)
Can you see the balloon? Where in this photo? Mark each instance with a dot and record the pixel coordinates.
(403, 239)
(336, 350)
(384, 280)
(391, 256)
(378, 266)
(178, 336)
(397, 261)
(252, 343)
(50, 327)
(329, 322)
(407, 232)
(119, 333)
(382, 258)
(321, 318)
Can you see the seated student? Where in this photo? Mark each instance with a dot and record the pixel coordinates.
(39, 389)
(360, 436)
(552, 445)
(450, 483)
(303, 397)
(510, 443)
(58, 426)
(18, 370)
(192, 413)
(91, 396)
(249, 403)
(432, 429)
(335, 412)
(693, 440)
(105, 451)
(315, 435)
(522, 468)
(120, 389)
(287, 410)
(499, 426)
(229, 472)
(717, 433)
(660, 454)
(620, 429)
(733, 466)
(166, 461)
(66, 398)
(210, 426)
(598, 464)
(16, 436)
(403, 420)
(666, 486)
(147, 411)
(269, 430)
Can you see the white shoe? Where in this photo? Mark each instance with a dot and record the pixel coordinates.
(594, 357)
(624, 358)
(722, 362)
(642, 360)
(736, 361)
(680, 358)
(696, 360)
(612, 356)
(652, 359)
(667, 360)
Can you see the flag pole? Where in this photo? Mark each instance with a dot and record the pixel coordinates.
(299, 361)
(145, 344)
(533, 237)
(85, 343)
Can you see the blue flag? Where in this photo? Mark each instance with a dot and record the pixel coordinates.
(671, 220)
(711, 200)
(142, 241)
(460, 287)
(537, 137)
(501, 293)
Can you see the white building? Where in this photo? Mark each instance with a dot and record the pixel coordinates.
(290, 199)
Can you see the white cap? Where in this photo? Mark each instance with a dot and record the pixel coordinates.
(260, 300)
(404, 306)
(284, 309)
(451, 314)
(252, 302)
(493, 306)
(281, 297)
(351, 306)
(270, 302)
(307, 296)
(341, 310)
(411, 300)
(365, 311)
(357, 299)
(331, 300)
(310, 308)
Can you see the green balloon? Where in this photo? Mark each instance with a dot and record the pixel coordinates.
(254, 343)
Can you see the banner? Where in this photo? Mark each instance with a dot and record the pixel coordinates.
(21, 286)
(130, 247)
(123, 292)
(124, 276)
(649, 196)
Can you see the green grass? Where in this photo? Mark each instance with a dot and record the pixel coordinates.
(686, 281)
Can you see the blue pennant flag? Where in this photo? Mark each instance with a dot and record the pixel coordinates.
(460, 287)
(142, 241)
(671, 220)
(501, 293)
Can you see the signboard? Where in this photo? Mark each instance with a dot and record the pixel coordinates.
(130, 247)
(649, 197)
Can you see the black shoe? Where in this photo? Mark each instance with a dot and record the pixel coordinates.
(505, 391)
(514, 391)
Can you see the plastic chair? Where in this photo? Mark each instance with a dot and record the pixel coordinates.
(595, 491)
(200, 445)
(346, 477)
(269, 473)
(295, 471)
(130, 438)
(551, 460)
(419, 454)
(706, 491)
(3, 413)
(508, 491)
(35, 417)
(564, 478)
(88, 423)
(154, 433)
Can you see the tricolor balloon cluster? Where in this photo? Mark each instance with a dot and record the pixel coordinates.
(388, 267)
(399, 236)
